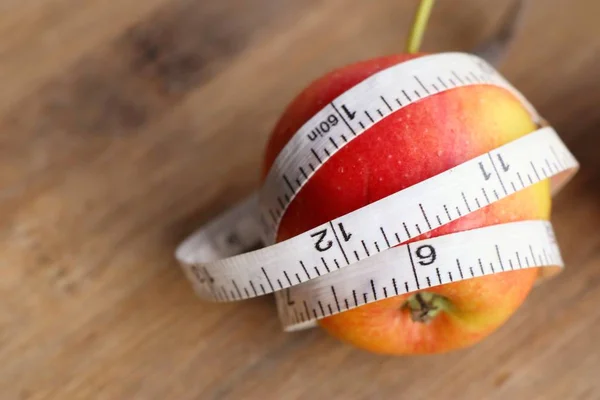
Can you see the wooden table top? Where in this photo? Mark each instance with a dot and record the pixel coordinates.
(126, 124)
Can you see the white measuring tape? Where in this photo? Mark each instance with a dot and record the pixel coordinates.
(307, 272)
(357, 110)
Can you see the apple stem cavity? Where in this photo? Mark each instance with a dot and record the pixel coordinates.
(415, 37)
(425, 306)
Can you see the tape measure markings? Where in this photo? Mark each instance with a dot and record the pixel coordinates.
(421, 265)
(355, 111)
(303, 271)
(367, 231)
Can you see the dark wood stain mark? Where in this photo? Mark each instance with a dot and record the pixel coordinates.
(152, 66)
(183, 47)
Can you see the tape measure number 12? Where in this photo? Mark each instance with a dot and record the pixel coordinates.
(361, 257)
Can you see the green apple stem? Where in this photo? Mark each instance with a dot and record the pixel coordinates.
(425, 306)
(417, 30)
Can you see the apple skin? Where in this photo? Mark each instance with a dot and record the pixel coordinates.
(407, 147)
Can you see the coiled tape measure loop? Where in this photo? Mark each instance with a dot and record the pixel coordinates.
(308, 272)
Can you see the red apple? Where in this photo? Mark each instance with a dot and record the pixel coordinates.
(409, 146)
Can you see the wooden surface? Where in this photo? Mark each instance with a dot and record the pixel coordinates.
(126, 124)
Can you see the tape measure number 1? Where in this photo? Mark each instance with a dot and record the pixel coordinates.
(360, 257)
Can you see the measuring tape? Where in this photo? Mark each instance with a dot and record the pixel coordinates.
(359, 108)
(360, 257)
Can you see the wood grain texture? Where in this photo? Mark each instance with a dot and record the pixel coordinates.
(124, 125)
